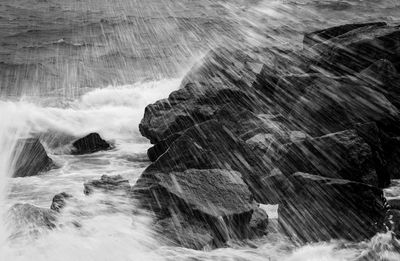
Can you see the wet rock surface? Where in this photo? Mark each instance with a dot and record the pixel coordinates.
(90, 144)
(32, 158)
(315, 131)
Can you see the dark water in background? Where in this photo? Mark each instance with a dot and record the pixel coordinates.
(58, 47)
(103, 61)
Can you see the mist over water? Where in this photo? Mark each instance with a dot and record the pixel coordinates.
(71, 67)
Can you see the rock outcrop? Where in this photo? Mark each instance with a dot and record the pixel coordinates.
(60, 201)
(31, 158)
(243, 127)
(27, 216)
(90, 144)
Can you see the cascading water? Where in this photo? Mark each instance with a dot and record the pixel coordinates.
(59, 57)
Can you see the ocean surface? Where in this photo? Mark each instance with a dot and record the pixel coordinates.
(70, 67)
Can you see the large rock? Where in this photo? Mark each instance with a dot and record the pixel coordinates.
(89, 144)
(210, 145)
(111, 184)
(320, 36)
(339, 155)
(218, 198)
(333, 104)
(359, 48)
(318, 209)
(31, 158)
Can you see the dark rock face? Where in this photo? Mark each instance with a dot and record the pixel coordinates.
(114, 184)
(90, 144)
(321, 36)
(218, 198)
(60, 201)
(334, 104)
(27, 215)
(210, 145)
(31, 158)
(318, 208)
(339, 155)
(358, 49)
(393, 157)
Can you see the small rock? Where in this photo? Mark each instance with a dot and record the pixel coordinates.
(259, 222)
(27, 215)
(115, 184)
(60, 201)
(90, 144)
(394, 203)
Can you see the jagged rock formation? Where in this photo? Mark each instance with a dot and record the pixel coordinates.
(330, 110)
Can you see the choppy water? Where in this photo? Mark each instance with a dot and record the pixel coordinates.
(69, 67)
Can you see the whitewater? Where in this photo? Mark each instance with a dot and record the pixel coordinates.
(58, 103)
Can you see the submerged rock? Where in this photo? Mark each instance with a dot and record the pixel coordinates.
(114, 184)
(90, 144)
(217, 198)
(31, 158)
(26, 216)
(317, 208)
(60, 201)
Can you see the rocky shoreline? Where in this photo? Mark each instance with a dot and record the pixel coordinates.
(315, 130)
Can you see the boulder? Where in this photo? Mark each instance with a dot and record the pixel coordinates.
(60, 201)
(90, 144)
(210, 145)
(320, 209)
(320, 36)
(332, 104)
(110, 184)
(358, 49)
(31, 158)
(27, 216)
(217, 198)
(338, 155)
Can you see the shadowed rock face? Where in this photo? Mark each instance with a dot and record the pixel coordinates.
(339, 155)
(31, 158)
(90, 144)
(313, 38)
(317, 208)
(356, 50)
